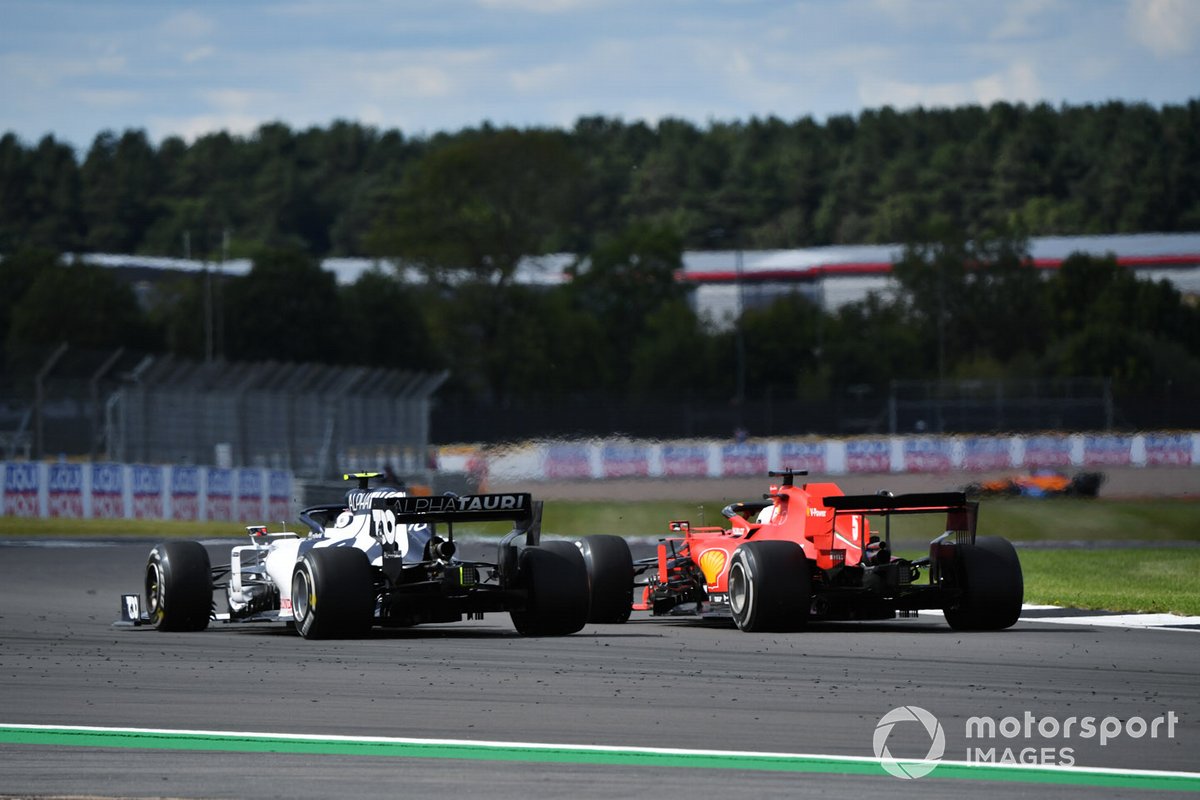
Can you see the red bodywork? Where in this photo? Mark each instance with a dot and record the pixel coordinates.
(848, 562)
(796, 514)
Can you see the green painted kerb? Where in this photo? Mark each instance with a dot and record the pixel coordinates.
(315, 745)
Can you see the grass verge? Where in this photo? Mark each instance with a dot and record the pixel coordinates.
(1018, 519)
(36, 527)
(1128, 579)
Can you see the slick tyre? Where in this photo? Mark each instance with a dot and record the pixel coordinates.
(179, 587)
(555, 581)
(770, 587)
(333, 593)
(993, 588)
(610, 578)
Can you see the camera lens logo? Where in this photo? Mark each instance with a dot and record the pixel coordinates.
(909, 768)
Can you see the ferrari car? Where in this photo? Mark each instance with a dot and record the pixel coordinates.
(809, 552)
(381, 558)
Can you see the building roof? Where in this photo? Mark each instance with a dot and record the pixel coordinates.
(1141, 250)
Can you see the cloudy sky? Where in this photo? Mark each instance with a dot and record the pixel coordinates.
(73, 68)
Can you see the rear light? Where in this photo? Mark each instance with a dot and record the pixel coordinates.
(838, 557)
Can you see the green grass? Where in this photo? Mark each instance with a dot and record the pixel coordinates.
(1015, 519)
(643, 518)
(32, 528)
(1069, 519)
(1126, 579)
(1019, 519)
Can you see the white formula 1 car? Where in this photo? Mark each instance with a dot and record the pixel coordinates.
(378, 559)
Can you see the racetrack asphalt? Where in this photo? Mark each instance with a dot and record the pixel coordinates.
(649, 683)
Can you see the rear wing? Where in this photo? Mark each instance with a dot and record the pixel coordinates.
(519, 507)
(961, 514)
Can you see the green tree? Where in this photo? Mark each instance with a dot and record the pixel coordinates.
(973, 299)
(51, 211)
(385, 323)
(676, 357)
(287, 309)
(82, 305)
(182, 308)
(629, 277)
(783, 347)
(1096, 294)
(874, 341)
(1135, 360)
(121, 195)
(14, 179)
(481, 203)
(17, 273)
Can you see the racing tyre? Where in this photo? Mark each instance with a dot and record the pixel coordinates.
(992, 586)
(610, 578)
(179, 587)
(770, 587)
(555, 580)
(333, 593)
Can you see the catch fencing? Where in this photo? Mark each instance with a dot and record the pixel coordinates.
(299, 417)
(127, 407)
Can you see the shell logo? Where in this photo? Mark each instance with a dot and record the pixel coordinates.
(712, 564)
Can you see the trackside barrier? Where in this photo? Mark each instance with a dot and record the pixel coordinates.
(144, 491)
(597, 459)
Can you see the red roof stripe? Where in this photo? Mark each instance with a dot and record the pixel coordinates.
(885, 267)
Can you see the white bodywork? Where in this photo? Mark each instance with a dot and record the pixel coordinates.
(265, 566)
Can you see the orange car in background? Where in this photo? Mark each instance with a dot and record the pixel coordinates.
(1040, 483)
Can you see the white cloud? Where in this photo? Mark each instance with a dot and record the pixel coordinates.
(1165, 27)
(929, 14)
(1018, 83)
(430, 65)
(198, 54)
(24, 72)
(187, 25)
(541, 78)
(536, 6)
(109, 98)
(1025, 19)
(232, 100)
(415, 81)
(191, 128)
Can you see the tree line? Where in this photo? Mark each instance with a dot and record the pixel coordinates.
(964, 187)
(881, 176)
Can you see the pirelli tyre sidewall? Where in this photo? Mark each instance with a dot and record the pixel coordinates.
(554, 578)
(770, 587)
(333, 593)
(610, 578)
(991, 583)
(179, 587)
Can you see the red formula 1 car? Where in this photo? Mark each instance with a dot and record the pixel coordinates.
(809, 553)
